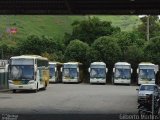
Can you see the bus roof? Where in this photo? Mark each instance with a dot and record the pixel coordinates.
(98, 63)
(75, 63)
(29, 57)
(146, 63)
(55, 62)
(122, 63)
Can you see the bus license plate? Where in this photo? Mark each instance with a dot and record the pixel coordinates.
(17, 82)
(20, 86)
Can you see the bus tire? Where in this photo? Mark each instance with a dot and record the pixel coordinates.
(14, 91)
(36, 90)
(45, 87)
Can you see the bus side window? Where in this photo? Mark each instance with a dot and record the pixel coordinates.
(40, 74)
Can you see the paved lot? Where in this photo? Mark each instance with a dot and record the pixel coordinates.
(72, 98)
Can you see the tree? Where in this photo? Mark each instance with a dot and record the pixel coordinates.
(76, 51)
(128, 40)
(152, 50)
(108, 49)
(41, 46)
(154, 26)
(6, 51)
(89, 30)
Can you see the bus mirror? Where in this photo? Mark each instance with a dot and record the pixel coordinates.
(156, 68)
(61, 69)
(137, 70)
(131, 70)
(88, 69)
(35, 67)
(113, 69)
(55, 69)
(77, 70)
(106, 70)
(6, 68)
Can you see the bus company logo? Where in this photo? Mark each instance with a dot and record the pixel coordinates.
(9, 117)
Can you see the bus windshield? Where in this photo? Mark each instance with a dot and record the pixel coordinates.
(70, 72)
(22, 72)
(98, 73)
(123, 73)
(52, 72)
(147, 74)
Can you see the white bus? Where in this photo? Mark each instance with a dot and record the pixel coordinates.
(98, 72)
(122, 73)
(72, 72)
(28, 72)
(147, 73)
(55, 72)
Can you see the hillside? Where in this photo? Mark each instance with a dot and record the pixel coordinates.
(53, 26)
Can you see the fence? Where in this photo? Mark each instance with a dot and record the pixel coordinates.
(3, 74)
(3, 79)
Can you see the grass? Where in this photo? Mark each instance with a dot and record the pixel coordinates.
(53, 26)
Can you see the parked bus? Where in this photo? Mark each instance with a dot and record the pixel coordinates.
(28, 72)
(55, 72)
(98, 72)
(147, 73)
(72, 72)
(122, 73)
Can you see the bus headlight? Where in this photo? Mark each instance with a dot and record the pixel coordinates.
(31, 82)
(10, 82)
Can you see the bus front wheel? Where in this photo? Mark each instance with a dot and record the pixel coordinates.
(14, 91)
(36, 88)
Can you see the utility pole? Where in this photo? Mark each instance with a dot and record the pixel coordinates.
(147, 25)
(148, 28)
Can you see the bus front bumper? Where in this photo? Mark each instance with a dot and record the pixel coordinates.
(22, 87)
(122, 81)
(70, 80)
(52, 80)
(95, 80)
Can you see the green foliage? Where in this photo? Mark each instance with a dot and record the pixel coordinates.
(125, 22)
(128, 40)
(76, 51)
(107, 49)
(40, 46)
(6, 51)
(89, 30)
(92, 55)
(134, 55)
(52, 25)
(152, 50)
(154, 26)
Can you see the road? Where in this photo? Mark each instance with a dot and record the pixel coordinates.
(72, 99)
